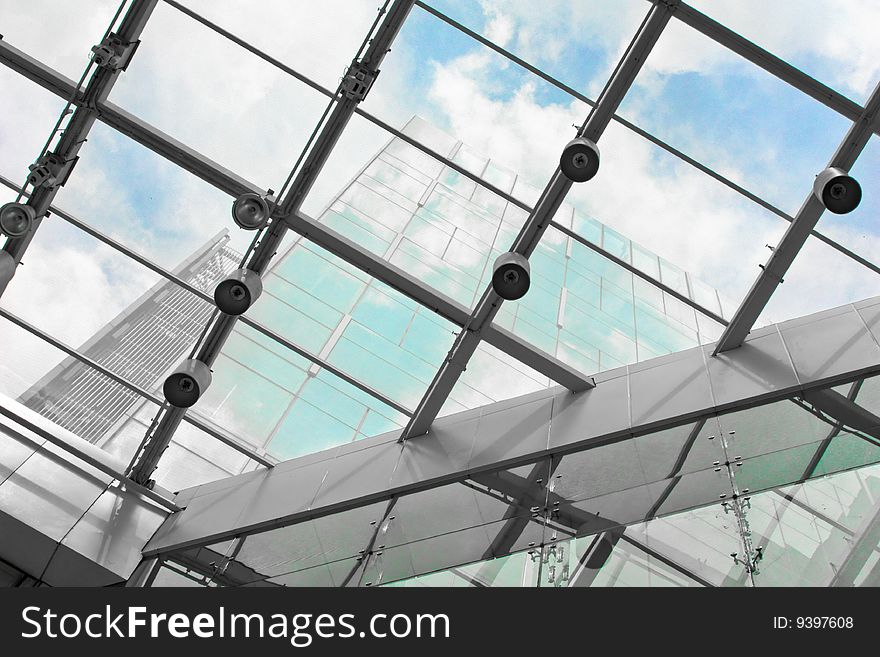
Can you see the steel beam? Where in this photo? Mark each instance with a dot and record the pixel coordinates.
(795, 237)
(345, 103)
(536, 224)
(776, 363)
(769, 62)
(76, 132)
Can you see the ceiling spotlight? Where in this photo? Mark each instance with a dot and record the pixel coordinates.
(510, 276)
(250, 211)
(580, 160)
(838, 191)
(16, 219)
(238, 292)
(187, 383)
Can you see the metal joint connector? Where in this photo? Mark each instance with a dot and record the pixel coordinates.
(358, 81)
(50, 171)
(113, 53)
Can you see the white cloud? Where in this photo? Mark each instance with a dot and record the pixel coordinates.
(666, 205)
(836, 41)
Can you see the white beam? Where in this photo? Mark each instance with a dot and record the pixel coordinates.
(775, 363)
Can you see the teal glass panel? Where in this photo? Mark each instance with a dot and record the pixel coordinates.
(290, 322)
(242, 401)
(324, 276)
(349, 223)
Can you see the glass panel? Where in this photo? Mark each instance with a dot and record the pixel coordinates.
(150, 205)
(240, 97)
(23, 133)
(308, 29)
(808, 35)
(58, 35)
(749, 125)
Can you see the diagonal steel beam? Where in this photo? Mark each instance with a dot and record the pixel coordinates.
(847, 412)
(796, 236)
(536, 224)
(65, 153)
(345, 104)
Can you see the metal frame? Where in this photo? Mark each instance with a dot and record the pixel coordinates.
(477, 325)
(853, 109)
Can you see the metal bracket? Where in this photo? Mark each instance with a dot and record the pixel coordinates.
(113, 53)
(358, 81)
(50, 171)
(772, 274)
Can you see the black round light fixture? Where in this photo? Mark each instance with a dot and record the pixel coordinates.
(187, 383)
(238, 292)
(580, 160)
(839, 192)
(511, 276)
(16, 219)
(250, 211)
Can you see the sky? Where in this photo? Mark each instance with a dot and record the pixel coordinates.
(254, 119)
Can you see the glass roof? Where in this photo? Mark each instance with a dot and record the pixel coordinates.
(389, 214)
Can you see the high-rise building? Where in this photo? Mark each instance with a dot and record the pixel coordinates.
(142, 344)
